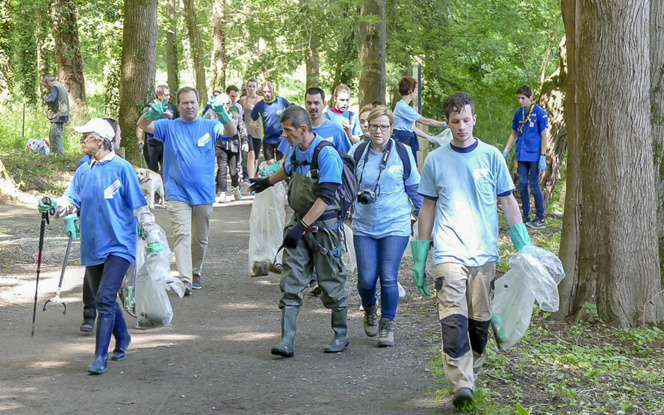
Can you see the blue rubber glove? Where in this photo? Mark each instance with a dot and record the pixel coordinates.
(520, 237)
(155, 111)
(71, 227)
(45, 207)
(218, 107)
(505, 153)
(155, 248)
(420, 251)
(542, 163)
(294, 236)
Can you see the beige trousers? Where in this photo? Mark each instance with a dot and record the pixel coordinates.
(464, 295)
(191, 225)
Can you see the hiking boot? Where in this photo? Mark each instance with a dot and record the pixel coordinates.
(537, 224)
(88, 325)
(462, 396)
(197, 284)
(236, 193)
(385, 333)
(371, 320)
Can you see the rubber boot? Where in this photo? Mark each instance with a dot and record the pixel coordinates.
(104, 331)
(288, 319)
(340, 327)
(121, 334)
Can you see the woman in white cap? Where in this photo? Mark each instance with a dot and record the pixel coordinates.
(107, 196)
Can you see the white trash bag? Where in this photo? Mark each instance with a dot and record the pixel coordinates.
(348, 257)
(266, 229)
(38, 146)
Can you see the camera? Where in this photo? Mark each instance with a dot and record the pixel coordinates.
(366, 196)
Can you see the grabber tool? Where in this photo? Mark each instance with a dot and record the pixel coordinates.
(42, 230)
(57, 299)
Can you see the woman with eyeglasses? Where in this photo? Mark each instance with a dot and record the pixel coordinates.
(387, 184)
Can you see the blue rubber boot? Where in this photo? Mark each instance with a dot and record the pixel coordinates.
(103, 339)
(121, 334)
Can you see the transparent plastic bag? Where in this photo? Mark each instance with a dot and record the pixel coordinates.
(349, 258)
(443, 138)
(533, 276)
(38, 146)
(266, 229)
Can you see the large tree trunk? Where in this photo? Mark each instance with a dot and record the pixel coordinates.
(313, 68)
(172, 58)
(197, 52)
(657, 116)
(6, 52)
(372, 53)
(27, 52)
(139, 57)
(614, 208)
(218, 45)
(68, 51)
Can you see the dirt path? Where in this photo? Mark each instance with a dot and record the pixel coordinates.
(215, 358)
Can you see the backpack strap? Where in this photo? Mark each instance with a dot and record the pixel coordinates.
(327, 116)
(359, 151)
(314, 158)
(402, 151)
(351, 118)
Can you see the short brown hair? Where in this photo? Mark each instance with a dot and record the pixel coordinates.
(457, 102)
(407, 85)
(187, 89)
(525, 90)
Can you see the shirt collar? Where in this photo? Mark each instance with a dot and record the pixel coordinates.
(110, 156)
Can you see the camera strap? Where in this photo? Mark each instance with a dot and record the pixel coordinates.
(383, 163)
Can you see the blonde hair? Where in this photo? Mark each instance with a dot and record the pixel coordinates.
(379, 112)
(341, 88)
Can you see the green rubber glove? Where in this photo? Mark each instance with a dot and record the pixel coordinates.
(155, 111)
(218, 107)
(519, 236)
(420, 252)
(45, 207)
(155, 248)
(270, 170)
(141, 232)
(71, 227)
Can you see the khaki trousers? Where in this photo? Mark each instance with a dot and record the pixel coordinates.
(464, 295)
(191, 225)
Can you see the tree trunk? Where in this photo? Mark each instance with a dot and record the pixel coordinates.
(218, 45)
(6, 52)
(372, 53)
(172, 46)
(45, 53)
(612, 194)
(139, 57)
(27, 53)
(313, 68)
(68, 51)
(657, 115)
(197, 52)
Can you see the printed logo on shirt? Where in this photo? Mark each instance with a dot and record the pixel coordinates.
(279, 112)
(395, 169)
(204, 140)
(111, 190)
(481, 173)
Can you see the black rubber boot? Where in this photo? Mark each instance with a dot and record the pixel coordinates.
(88, 325)
(288, 319)
(121, 334)
(340, 327)
(104, 331)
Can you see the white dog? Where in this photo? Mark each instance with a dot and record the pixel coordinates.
(151, 183)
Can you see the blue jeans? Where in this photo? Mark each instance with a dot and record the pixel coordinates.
(108, 277)
(529, 175)
(379, 258)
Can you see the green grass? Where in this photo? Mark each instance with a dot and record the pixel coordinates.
(40, 174)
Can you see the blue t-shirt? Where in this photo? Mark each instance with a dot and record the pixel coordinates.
(330, 132)
(269, 116)
(405, 116)
(106, 195)
(390, 214)
(330, 165)
(528, 139)
(466, 183)
(345, 117)
(189, 158)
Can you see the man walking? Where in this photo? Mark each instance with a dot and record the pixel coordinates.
(154, 149)
(58, 112)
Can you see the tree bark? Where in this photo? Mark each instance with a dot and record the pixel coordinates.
(172, 46)
(657, 115)
(197, 52)
(313, 68)
(6, 52)
(372, 53)
(68, 51)
(139, 57)
(614, 208)
(218, 45)
(27, 53)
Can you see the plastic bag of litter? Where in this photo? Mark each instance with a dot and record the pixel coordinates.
(266, 229)
(38, 146)
(348, 257)
(443, 138)
(533, 276)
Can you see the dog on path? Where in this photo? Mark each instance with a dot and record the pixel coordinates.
(151, 184)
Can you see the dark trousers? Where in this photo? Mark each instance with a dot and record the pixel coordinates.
(90, 288)
(227, 160)
(155, 154)
(107, 277)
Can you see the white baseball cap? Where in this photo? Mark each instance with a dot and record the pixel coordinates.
(99, 126)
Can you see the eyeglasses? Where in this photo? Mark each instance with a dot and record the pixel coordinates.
(376, 127)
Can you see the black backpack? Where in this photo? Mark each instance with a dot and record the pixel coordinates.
(402, 151)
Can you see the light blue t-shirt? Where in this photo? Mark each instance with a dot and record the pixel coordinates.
(330, 165)
(345, 116)
(106, 195)
(330, 132)
(405, 116)
(390, 214)
(466, 186)
(189, 158)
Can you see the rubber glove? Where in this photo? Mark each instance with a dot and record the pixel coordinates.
(141, 233)
(260, 184)
(505, 153)
(45, 207)
(519, 235)
(155, 111)
(270, 170)
(218, 107)
(71, 227)
(542, 163)
(155, 248)
(293, 236)
(420, 251)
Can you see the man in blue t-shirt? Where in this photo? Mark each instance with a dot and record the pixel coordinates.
(265, 116)
(313, 237)
(460, 184)
(189, 175)
(529, 129)
(341, 115)
(153, 150)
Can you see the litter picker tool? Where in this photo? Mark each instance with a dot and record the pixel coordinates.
(57, 299)
(42, 230)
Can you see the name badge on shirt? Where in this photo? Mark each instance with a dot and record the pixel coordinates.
(532, 124)
(111, 190)
(204, 140)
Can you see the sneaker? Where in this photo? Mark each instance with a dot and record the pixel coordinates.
(371, 320)
(462, 396)
(188, 289)
(88, 325)
(236, 193)
(197, 284)
(222, 198)
(385, 333)
(537, 224)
